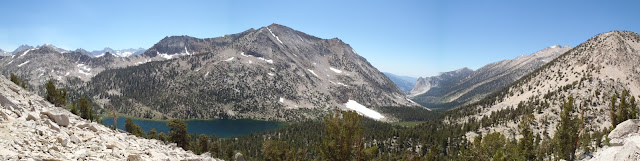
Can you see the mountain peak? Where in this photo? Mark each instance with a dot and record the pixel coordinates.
(22, 48)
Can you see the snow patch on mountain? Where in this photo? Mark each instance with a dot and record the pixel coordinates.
(335, 70)
(83, 72)
(84, 67)
(267, 60)
(314, 73)
(362, 110)
(274, 35)
(25, 53)
(19, 65)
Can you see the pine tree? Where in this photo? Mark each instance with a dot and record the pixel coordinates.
(85, 109)
(612, 110)
(178, 133)
(203, 143)
(526, 144)
(56, 96)
(567, 132)
(128, 125)
(15, 79)
(153, 134)
(74, 109)
(342, 140)
(274, 150)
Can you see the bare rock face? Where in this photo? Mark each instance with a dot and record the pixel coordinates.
(624, 143)
(464, 86)
(32, 129)
(60, 119)
(270, 73)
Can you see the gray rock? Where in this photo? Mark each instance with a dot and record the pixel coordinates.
(60, 119)
(90, 126)
(624, 128)
(52, 125)
(63, 141)
(134, 157)
(238, 157)
(5, 116)
(629, 151)
(74, 139)
(32, 116)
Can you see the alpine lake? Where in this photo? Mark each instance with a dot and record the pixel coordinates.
(223, 128)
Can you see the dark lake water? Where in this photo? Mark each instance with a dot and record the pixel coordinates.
(221, 128)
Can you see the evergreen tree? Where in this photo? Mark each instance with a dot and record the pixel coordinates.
(15, 79)
(203, 143)
(162, 137)
(342, 140)
(215, 149)
(85, 109)
(56, 96)
(178, 133)
(493, 144)
(74, 109)
(526, 144)
(128, 125)
(612, 111)
(567, 132)
(274, 150)
(153, 134)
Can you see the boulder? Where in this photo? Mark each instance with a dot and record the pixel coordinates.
(158, 155)
(89, 126)
(134, 157)
(32, 116)
(5, 116)
(60, 119)
(111, 144)
(629, 151)
(7, 152)
(624, 128)
(52, 125)
(238, 157)
(74, 139)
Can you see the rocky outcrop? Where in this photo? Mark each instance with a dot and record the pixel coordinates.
(31, 128)
(464, 86)
(624, 143)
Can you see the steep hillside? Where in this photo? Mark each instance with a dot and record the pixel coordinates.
(272, 73)
(424, 85)
(47, 62)
(405, 83)
(4, 53)
(32, 128)
(465, 86)
(590, 73)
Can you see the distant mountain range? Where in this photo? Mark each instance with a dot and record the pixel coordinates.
(405, 83)
(270, 73)
(463, 86)
(95, 53)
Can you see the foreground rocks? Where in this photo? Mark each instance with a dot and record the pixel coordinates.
(624, 143)
(31, 128)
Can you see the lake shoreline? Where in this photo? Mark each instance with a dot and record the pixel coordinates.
(219, 127)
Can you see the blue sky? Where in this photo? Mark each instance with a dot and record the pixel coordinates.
(414, 38)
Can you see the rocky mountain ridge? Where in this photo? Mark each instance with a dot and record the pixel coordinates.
(118, 53)
(591, 73)
(32, 128)
(272, 73)
(405, 83)
(4, 53)
(464, 86)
